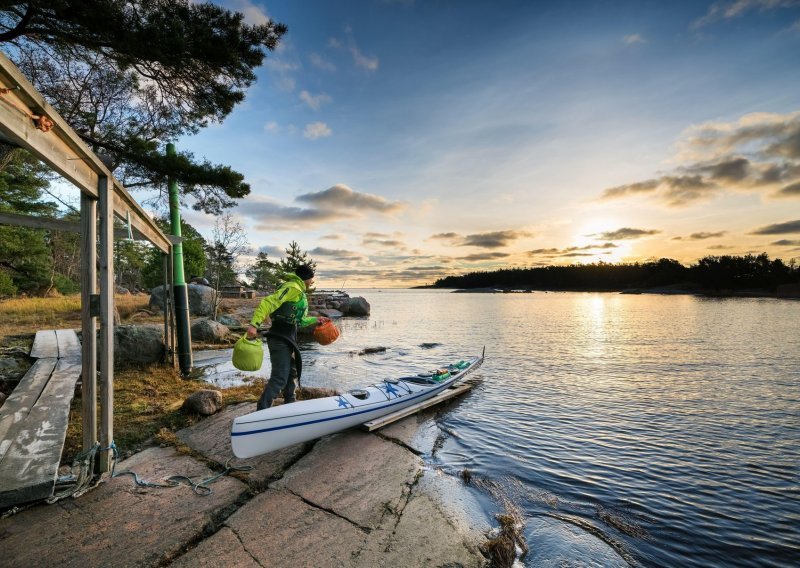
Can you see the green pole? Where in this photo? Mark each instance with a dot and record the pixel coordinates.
(179, 288)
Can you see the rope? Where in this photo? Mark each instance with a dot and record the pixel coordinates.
(200, 488)
(41, 121)
(84, 463)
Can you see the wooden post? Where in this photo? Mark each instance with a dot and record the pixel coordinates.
(171, 283)
(165, 307)
(88, 321)
(106, 195)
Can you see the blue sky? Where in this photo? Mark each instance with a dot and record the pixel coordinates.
(400, 141)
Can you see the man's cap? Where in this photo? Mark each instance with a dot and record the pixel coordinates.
(304, 271)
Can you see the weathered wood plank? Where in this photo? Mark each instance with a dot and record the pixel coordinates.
(29, 468)
(62, 148)
(68, 345)
(19, 404)
(394, 416)
(106, 343)
(88, 322)
(45, 345)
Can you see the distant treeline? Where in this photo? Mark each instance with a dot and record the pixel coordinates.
(709, 273)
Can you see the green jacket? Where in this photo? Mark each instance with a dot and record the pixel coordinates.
(293, 292)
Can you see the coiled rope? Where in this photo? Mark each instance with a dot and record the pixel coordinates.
(84, 464)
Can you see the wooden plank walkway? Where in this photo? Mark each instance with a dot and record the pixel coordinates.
(414, 408)
(34, 418)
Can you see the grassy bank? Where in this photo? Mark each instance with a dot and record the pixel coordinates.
(147, 398)
(29, 315)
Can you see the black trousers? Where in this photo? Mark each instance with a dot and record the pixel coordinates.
(283, 376)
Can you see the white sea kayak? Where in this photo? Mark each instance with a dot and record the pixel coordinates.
(281, 426)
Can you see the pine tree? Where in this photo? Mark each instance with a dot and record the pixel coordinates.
(130, 75)
(295, 256)
(25, 257)
(263, 273)
(194, 255)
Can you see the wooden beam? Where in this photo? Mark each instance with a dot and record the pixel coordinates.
(88, 322)
(106, 192)
(61, 147)
(124, 205)
(414, 408)
(52, 224)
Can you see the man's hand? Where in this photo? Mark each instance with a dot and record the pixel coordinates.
(322, 319)
(252, 332)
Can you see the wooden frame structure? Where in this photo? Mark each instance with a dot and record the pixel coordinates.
(28, 121)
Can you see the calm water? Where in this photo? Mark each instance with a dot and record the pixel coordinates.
(629, 430)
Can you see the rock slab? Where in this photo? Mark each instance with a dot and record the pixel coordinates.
(118, 523)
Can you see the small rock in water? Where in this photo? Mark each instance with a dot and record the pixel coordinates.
(429, 345)
(369, 350)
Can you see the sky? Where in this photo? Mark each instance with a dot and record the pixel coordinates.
(402, 141)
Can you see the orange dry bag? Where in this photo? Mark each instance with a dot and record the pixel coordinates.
(326, 333)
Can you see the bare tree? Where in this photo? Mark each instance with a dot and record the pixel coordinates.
(228, 244)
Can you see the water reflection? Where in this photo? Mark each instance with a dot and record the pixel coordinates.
(608, 417)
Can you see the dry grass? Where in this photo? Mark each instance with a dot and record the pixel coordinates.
(147, 404)
(148, 399)
(29, 315)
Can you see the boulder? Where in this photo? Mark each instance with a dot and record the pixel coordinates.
(2, 398)
(330, 313)
(205, 402)
(138, 343)
(201, 299)
(230, 321)
(209, 331)
(357, 306)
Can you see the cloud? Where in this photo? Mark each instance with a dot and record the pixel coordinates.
(778, 228)
(757, 152)
(272, 126)
(701, 236)
(445, 237)
(785, 243)
(495, 239)
(626, 233)
(253, 15)
(544, 251)
(720, 247)
(272, 250)
(337, 254)
(390, 243)
(316, 130)
(341, 196)
(572, 251)
(632, 39)
(265, 211)
(791, 190)
(484, 256)
(727, 10)
(315, 102)
(368, 62)
(672, 190)
(321, 63)
(331, 237)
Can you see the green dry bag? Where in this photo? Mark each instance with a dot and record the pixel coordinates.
(248, 354)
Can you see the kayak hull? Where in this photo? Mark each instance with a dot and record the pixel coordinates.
(281, 426)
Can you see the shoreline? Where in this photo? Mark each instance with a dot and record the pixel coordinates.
(627, 291)
(350, 499)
